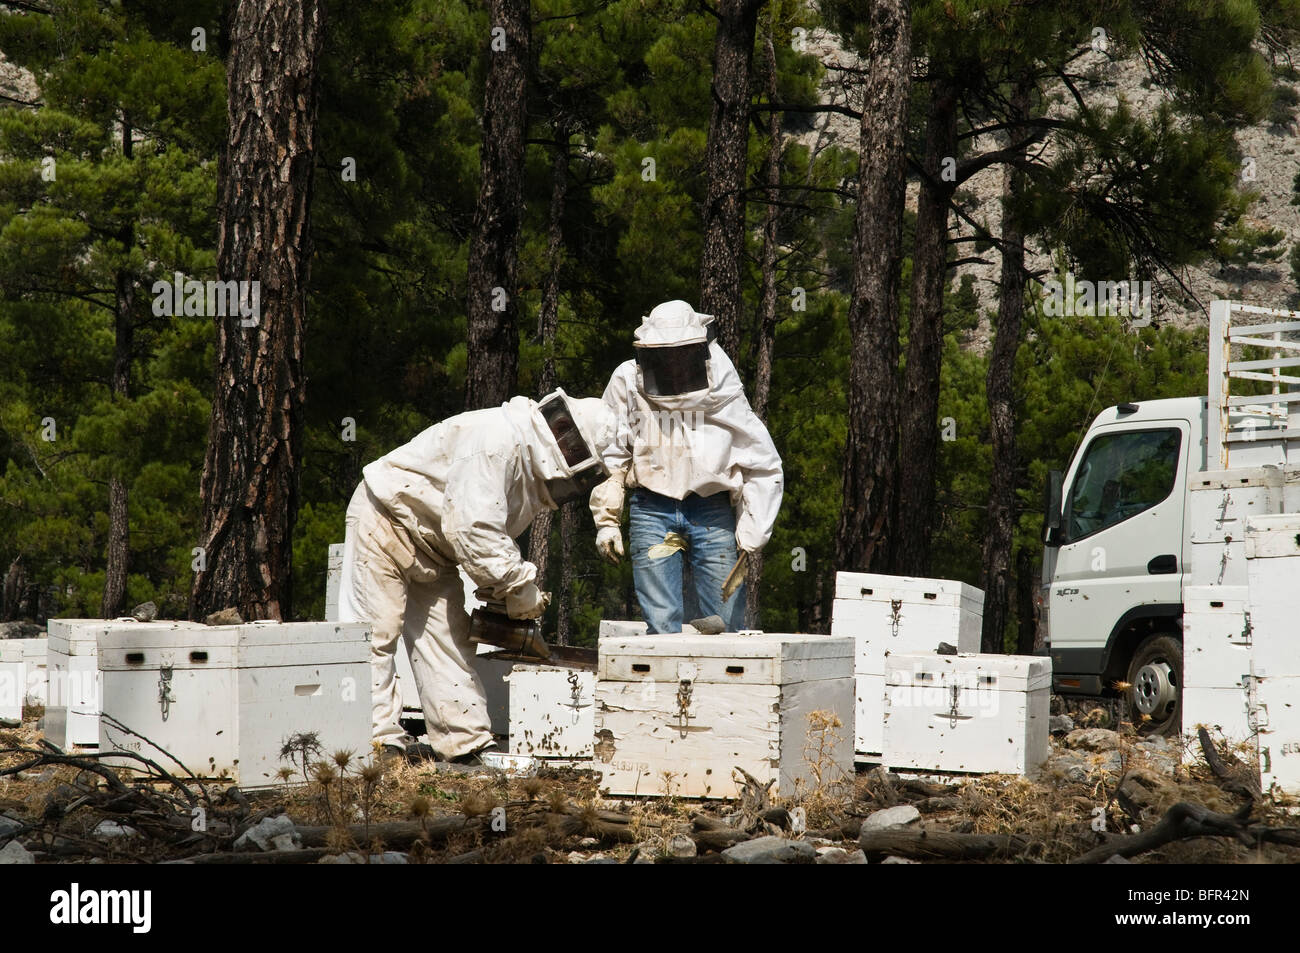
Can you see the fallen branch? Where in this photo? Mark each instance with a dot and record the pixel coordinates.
(1245, 784)
(1181, 821)
(939, 845)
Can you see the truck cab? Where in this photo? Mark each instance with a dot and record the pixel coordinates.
(1153, 501)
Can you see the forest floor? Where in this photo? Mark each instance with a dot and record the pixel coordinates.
(1103, 795)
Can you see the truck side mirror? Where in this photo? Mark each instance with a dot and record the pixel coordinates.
(1052, 508)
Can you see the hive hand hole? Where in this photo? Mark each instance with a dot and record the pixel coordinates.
(1214, 604)
(640, 667)
(134, 658)
(198, 657)
(932, 595)
(735, 670)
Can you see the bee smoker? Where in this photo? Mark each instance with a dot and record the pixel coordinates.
(490, 625)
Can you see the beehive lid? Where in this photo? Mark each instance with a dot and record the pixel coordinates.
(35, 650)
(913, 590)
(735, 658)
(251, 644)
(78, 636)
(1273, 536)
(1005, 673)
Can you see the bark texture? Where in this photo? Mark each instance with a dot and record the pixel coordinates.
(918, 435)
(765, 336)
(539, 540)
(492, 304)
(250, 472)
(724, 169)
(995, 576)
(862, 539)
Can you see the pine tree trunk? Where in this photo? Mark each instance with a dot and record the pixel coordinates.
(999, 532)
(918, 436)
(564, 612)
(539, 542)
(492, 305)
(724, 169)
(119, 516)
(1026, 622)
(862, 539)
(765, 339)
(250, 473)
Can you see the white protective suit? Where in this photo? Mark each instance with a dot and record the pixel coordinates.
(703, 442)
(457, 495)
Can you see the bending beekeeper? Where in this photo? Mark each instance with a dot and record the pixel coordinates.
(704, 475)
(457, 496)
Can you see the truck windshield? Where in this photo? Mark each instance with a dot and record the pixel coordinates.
(1122, 474)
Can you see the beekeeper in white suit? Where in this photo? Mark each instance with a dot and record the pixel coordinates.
(704, 475)
(458, 495)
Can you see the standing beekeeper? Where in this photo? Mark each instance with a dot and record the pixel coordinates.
(704, 475)
(457, 496)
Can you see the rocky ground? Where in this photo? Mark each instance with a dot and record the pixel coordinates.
(1105, 794)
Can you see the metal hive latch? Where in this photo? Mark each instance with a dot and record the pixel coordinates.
(165, 697)
(896, 612)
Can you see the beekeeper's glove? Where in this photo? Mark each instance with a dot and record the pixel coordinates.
(609, 542)
(527, 602)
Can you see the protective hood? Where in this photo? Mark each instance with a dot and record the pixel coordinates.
(672, 354)
(580, 431)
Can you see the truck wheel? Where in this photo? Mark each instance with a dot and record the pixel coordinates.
(1155, 678)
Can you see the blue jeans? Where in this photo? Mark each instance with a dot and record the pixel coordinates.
(708, 524)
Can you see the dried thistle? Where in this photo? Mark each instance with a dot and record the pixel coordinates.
(371, 774)
(420, 807)
(557, 800)
(532, 787)
(474, 806)
(324, 773)
(343, 759)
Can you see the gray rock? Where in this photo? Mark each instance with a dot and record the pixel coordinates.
(1076, 773)
(229, 616)
(9, 825)
(1093, 739)
(1155, 742)
(770, 850)
(891, 859)
(709, 625)
(1060, 724)
(602, 859)
(891, 817)
(838, 855)
(21, 630)
(270, 833)
(145, 612)
(1117, 859)
(113, 829)
(588, 842)
(945, 648)
(15, 853)
(355, 857)
(11, 722)
(679, 845)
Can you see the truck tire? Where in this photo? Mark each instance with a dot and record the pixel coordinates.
(1155, 686)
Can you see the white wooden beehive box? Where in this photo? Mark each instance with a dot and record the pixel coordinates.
(676, 713)
(552, 711)
(885, 614)
(1278, 712)
(1273, 568)
(13, 680)
(35, 655)
(1227, 711)
(1217, 634)
(72, 708)
(1219, 503)
(968, 713)
(224, 700)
